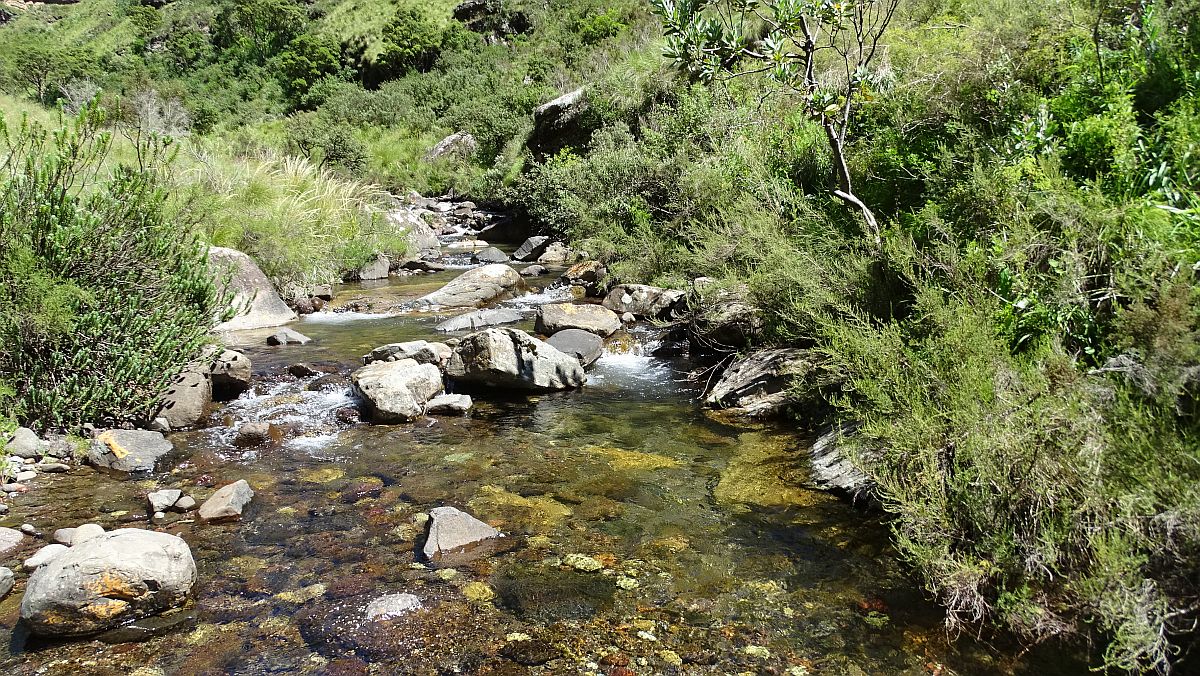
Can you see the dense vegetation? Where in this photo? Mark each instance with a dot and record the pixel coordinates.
(1017, 335)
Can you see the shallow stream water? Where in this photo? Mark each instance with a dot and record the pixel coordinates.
(715, 557)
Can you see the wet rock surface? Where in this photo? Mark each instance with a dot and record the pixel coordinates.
(129, 450)
(397, 391)
(585, 346)
(512, 359)
(475, 287)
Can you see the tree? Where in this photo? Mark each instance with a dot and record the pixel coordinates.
(41, 66)
(261, 27)
(306, 60)
(789, 40)
(410, 42)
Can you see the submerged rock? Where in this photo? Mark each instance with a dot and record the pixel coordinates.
(392, 605)
(452, 531)
(129, 450)
(475, 287)
(585, 346)
(288, 337)
(509, 358)
(833, 470)
(641, 300)
(228, 502)
(479, 319)
(397, 391)
(108, 581)
(759, 384)
(253, 294)
(252, 434)
(595, 319)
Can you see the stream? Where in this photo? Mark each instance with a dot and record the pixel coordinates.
(715, 558)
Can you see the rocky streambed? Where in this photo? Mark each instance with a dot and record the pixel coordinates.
(579, 514)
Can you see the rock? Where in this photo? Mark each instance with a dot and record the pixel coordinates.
(491, 255)
(531, 248)
(334, 382)
(302, 370)
(63, 536)
(473, 321)
(26, 476)
(397, 391)
(833, 470)
(727, 323)
(459, 145)
(108, 581)
(587, 274)
(254, 296)
(186, 401)
(591, 318)
(392, 605)
(86, 532)
(509, 358)
(322, 291)
(162, 500)
(556, 253)
(455, 404)
(129, 450)
(505, 230)
(52, 467)
(628, 318)
(468, 244)
(288, 337)
(251, 434)
(29, 529)
(760, 383)
(585, 346)
(303, 305)
(7, 580)
(533, 271)
(159, 425)
(423, 266)
(451, 531)
(418, 235)
(559, 123)
(185, 504)
(475, 287)
(44, 555)
(420, 351)
(376, 268)
(582, 563)
(228, 502)
(10, 539)
(650, 302)
(24, 443)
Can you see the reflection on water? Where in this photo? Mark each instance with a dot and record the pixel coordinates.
(644, 538)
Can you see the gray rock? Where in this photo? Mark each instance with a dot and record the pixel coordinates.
(392, 605)
(129, 450)
(288, 337)
(396, 391)
(479, 319)
(628, 318)
(10, 539)
(334, 382)
(186, 401)
(491, 255)
(727, 323)
(420, 237)
(228, 502)
(63, 536)
(505, 230)
(559, 123)
(86, 532)
(459, 145)
(108, 581)
(591, 318)
(302, 370)
(556, 253)
(159, 424)
(833, 470)
(533, 271)
(455, 404)
(475, 287)
(251, 434)
(25, 443)
(25, 476)
(185, 504)
(641, 300)
(44, 555)
(164, 499)
(760, 384)
(7, 580)
(452, 530)
(585, 346)
(420, 351)
(29, 529)
(508, 358)
(423, 266)
(52, 467)
(255, 297)
(587, 274)
(376, 268)
(531, 248)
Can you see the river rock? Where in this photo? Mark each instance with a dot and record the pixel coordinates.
(230, 375)
(63, 536)
(533, 271)
(24, 443)
(509, 358)
(162, 500)
(186, 401)
(650, 302)
(228, 502)
(185, 504)
(397, 391)
(760, 383)
(288, 337)
(376, 268)
(251, 434)
(727, 323)
(475, 287)
(491, 255)
(591, 318)
(108, 581)
(531, 248)
(473, 321)
(129, 450)
(44, 555)
(392, 605)
(7, 580)
(585, 346)
(832, 468)
(556, 253)
(455, 404)
(459, 145)
(420, 237)
(587, 274)
(255, 297)
(10, 539)
(451, 531)
(86, 532)
(420, 351)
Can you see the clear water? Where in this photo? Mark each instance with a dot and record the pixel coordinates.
(714, 553)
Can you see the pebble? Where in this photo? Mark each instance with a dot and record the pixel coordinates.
(582, 563)
(28, 529)
(43, 556)
(757, 651)
(160, 515)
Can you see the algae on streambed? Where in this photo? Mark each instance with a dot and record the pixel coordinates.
(713, 556)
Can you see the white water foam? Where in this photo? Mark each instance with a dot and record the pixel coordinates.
(544, 297)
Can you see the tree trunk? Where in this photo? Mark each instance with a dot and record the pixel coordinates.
(844, 190)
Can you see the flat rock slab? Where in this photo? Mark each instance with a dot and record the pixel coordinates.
(288, 337)
(452, 531)
(392, 605)
(228, 502)
(129, 450)
(585, 346)
(531, 248)
(480, 319)
(453, 404)
(592, 318)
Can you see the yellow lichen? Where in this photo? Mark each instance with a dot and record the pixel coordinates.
(630, 461)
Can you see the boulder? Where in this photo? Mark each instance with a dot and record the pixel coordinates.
(302, 370)
(531, 248)
(185, 504)
(186, 401)
(505, 229)
(559, 123)
(759, 384)
(833, 470)
(459, 145)
(479, 319)
(44, 555)
(451, 531)
(556, 253)
(129, 450)
(587, 274)
(107, 581)
(475, 287)
(63, 536)
(396, 391)
(10, 540)
(641, 300)
(228, 502)
(585, 346)
(420, 351)
(7, 580)
(509, 358)
(533, 271)
(453, 404)
(419, 235)
(288, 337)
(230, 375)
(24, 443)
(591, 318)
(258, 304)
(491, 255)
(726, 323)
(423, 266)
(162, 500)
(376, 268)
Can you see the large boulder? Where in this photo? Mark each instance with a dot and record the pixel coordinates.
(556, 253)
(396, 391)
(560, 123)
(24, 443)
(509, 358)
(459, 145)
(452, 531)
(376, 268)
(258, 304)
(129, 450)
(591, 318)
(726, 322)
(760, 383)
(641, 300)
(230, 375)
(475, 287)
(586, 274)
(480, 319)
(531, 248)
(107, 581)
(585, 346)
(419, 235)
(186, 401)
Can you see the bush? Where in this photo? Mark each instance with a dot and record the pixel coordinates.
(103, 298)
